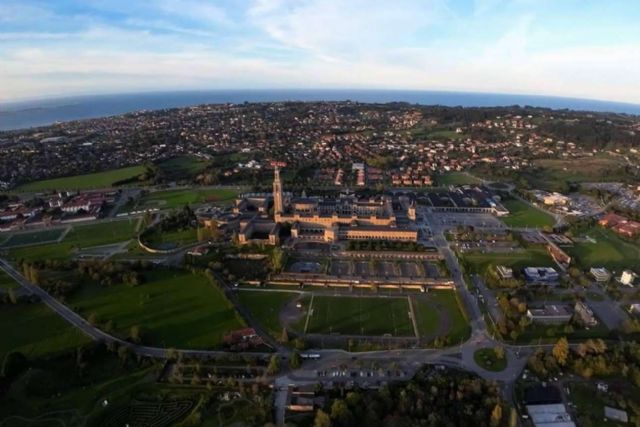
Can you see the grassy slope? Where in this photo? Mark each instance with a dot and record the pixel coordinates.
(35, 330)
(360, 316)
(172, 199)
(609, 251)
(174, 308)
(83, 182)
(523, 215)
(81, 236)
(265, 307)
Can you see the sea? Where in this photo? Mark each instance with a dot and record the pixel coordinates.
(28, 114)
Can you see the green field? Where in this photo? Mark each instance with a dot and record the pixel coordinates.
(36, 331)
(427, 318)
(6, 282)
(265, 307)
(173, 199)
(83, 182)
(360, 316)
(183, 167)
(477, 262)
(521, 214)
(32, 238)
(171, 239)
(609, 251)
(174, 308)
(456, 178)
(81, 236)
(459, 329)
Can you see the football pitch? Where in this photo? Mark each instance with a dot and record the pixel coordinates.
(359, 316)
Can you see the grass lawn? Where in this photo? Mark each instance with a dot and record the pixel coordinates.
(81, 236)
(171, 239)
(174, 308)
(459, 329)
(609, 251)
(360, 316)
(83, 182)
(486, 359)
(6, 282)
(36, 331)
(427, 318)
(524, 215)
(477, 262)
(265, 307)
(174, 199)
(183, 167)
(33, 238)
(456, 178)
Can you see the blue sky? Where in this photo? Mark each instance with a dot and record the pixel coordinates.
(578, 48)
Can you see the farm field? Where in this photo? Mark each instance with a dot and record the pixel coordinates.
(173, 308)
(456, 178)
(265, 307)
(477, 262)
(360, 316)
(174, 199)
(36, 331)
(523, 215)
(609, 251)
(32, 238)
(81, 236)
(83, 182)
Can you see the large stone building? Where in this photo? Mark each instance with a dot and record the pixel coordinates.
(327, 219)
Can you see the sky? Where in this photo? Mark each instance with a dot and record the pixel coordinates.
(574, 48)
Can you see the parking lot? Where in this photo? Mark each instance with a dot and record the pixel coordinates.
(477, 220)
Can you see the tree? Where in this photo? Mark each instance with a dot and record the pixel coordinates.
(277, 259)
(496, 415)
(12, 296)
(274, 365)
(123, 354)
(13, 364)
(284, 337)
(322, 419)
(135, 334)
(340, 412)
(499, 352)
(296, 361)
(561, 351)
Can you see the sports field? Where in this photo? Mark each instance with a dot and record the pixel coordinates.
(173, 199)
(83, 182)
(174, 308)
(521, 214)
(609, 251)
(456, 178)
(33, 238)
(447, 302)
(477, 262)
(360, 316)
(265, 307)
(35, 330)
(81, 236)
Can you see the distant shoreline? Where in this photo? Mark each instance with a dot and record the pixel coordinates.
(27, 114)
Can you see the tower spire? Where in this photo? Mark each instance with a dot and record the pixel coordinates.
(278, 206)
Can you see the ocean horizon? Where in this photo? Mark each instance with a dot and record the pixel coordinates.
(36, 113)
